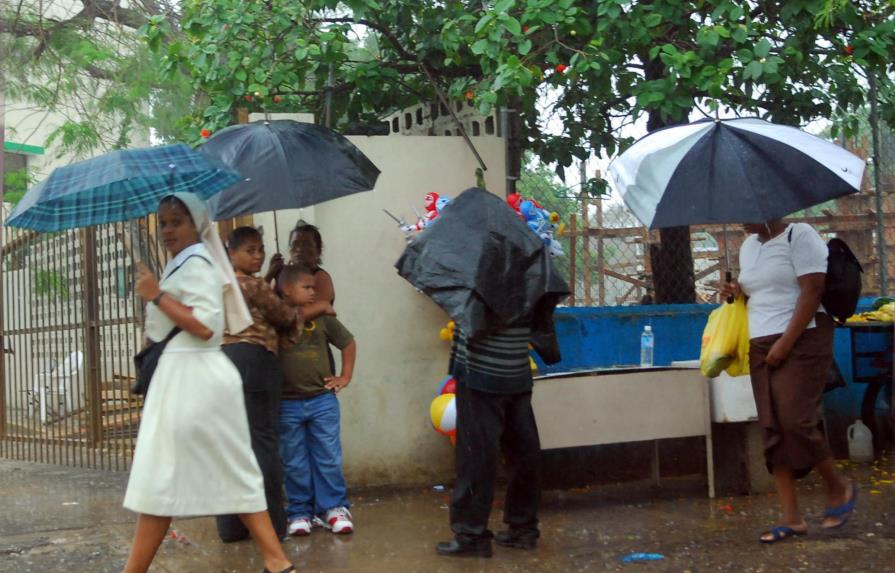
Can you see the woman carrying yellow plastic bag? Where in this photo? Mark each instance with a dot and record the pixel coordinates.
(725, 341)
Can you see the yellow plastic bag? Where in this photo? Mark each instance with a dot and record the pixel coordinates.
(722, 340)
(740, 364)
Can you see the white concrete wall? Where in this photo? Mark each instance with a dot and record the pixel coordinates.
(386, 433)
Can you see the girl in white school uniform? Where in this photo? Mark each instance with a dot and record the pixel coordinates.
(193, 454)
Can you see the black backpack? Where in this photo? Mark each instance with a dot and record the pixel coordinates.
(843, 283)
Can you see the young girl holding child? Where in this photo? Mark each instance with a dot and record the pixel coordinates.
(254, 352)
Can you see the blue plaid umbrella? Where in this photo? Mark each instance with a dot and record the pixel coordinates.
(117, 186)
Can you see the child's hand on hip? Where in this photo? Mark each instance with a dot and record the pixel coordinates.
(336, 383)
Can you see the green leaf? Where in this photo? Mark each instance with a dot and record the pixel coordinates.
(740, 34)
(240, 75)
(512, 25)
(652, 20)
(484, 21)
(524, 47)
(503, 6)
(753, 70)
(762, 48)
(479, 47)
(712, 38)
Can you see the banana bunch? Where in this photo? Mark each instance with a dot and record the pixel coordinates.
(885, 313)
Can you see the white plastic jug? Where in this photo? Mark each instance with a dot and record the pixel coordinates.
(860, 443)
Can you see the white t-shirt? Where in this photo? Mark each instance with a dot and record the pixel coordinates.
(769, 274)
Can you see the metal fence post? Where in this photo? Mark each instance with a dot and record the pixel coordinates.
(91, 334)
(585, 251)
(601, 252)
(2, 239)
(573, 246)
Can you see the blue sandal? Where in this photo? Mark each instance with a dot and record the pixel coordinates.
(780, 533)
(844, 511)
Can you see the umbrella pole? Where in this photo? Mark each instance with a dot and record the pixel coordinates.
(728, 276)
(276, 231)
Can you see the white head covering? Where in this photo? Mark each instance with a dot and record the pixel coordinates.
(236, 312)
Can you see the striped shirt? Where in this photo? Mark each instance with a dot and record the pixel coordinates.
(497, 363)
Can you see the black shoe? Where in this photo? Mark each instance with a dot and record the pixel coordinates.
(465, 548)
(517, 538)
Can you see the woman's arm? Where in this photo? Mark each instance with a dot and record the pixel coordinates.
(274, 268)
(323, 287)
(325, 295)
(812, 290)
(280, 314)
(181, 315)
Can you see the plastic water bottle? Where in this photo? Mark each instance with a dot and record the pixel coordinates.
(860, 443)
(646, 347)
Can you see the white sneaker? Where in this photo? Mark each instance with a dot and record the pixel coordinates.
(338, 520)
(300, 527)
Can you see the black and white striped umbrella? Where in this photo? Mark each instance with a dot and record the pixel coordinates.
(730, 171)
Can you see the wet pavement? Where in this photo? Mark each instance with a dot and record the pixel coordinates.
(63, 519)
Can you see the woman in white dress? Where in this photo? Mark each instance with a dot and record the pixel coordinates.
(193, 454)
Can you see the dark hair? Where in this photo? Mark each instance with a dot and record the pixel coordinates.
(240, 235)
(290, 274)
(302, 227)
(176, 202)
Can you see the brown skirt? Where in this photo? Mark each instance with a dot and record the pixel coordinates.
(789, 397)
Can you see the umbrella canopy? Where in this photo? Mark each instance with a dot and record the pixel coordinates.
(117, 186)
(481, 264)
(288, 165)
(730, 171)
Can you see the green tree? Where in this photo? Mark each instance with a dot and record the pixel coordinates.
(598, 64)
(87, 64)
(604, 63)
(601, 65)
(591, 67)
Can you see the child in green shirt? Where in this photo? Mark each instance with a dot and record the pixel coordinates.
(310, 447)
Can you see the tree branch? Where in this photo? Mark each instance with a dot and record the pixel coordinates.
(108, 10)
(392, 39)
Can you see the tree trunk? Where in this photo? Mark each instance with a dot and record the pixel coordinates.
(515, 143)
(672, 260)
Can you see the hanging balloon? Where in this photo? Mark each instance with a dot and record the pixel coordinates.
(447, 385)
(443, 412)
(450, 387)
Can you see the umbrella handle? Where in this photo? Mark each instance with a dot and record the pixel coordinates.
(276, 231)
(728, 276)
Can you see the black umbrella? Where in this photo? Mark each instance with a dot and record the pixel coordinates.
(743, 170)
(731, 171)
(289, 165)
(486, 268)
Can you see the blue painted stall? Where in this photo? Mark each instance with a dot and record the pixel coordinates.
(609, 337)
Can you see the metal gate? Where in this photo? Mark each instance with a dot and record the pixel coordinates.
(71, 324)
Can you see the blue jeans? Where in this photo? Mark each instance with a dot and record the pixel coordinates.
(312, 455)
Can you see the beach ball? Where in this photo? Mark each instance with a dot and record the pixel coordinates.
(447, 385)
(443, 412)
